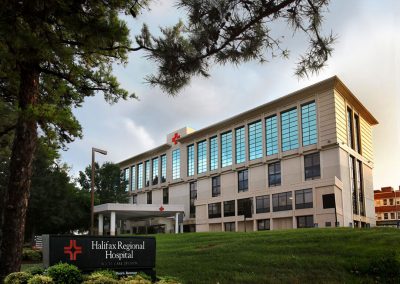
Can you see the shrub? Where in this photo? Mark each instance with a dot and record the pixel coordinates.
(35, 270)
(137, 279)
(64, 273)
(106, 273)
(31, 254)
(17, 278)
(40, 279)
(101, 279)
(168, 280)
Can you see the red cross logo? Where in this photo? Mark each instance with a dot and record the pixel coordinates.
(175, 138)
(161, 209)
(72, 250)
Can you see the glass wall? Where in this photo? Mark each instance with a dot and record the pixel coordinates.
(202, 157)
(226, 149)
(255, 140)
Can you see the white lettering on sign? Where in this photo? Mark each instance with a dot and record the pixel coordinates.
(110, 248)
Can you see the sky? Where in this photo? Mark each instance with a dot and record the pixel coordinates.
(366, 58)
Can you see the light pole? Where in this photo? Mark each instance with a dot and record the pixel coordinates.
(103, 152)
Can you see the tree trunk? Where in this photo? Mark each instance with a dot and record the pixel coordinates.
(17, 193)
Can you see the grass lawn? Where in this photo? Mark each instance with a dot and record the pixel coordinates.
(288, 256)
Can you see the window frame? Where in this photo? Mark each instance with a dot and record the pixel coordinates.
(215, 186)
(243, 180)
(301, 196)
(282, 206)
(264, 202)
(214, 210)
(314, 171)
(275, 174)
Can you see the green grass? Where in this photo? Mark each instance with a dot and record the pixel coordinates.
(286, 256)
(289, 256)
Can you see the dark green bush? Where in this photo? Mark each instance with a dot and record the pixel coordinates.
(106, 273)
(40, 279)
(35, 270)
(31, 254)
(137, 279)
(64, 273)
(381, 267)
(17, 278)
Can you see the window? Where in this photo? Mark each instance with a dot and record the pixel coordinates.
(255, 140)
(328, 224)
(202, 157)
(289, 130)
(353, 184)
(385, 216)
(357, 134)
(312, 168)
(243, 182)
(229, 208)
(140, 176)
(384, 201)
(240, 145)
(360, 187)
(282, 201)
(165, 195)
(155, 171)
(392, 216)
(163, 168)
(305, 221)
(134, 199)
(263, 225)
(274, 174)
(149, 197)
(262, 204)
(216, 186)
(350, 137)
(226, 149)
(213, 153)
(133, 178)
(328, 201)
(126, 179)
(391, 201)
(193, 197)
(271, 132)
(176, 164)
(309, 124)
(304, 198)
(214, 210)
(147, 173)
(244, 207)
(229, 226)
(190, 160)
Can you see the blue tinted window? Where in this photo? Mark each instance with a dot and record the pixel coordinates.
(147, 173)
(255, 140)
(226, 149)
(133, 178)
(289, 130)
(126, 179)
(271, 133)
(190, 160)
(213, 153)
(140, 176)
(309, 124)
(240, 145)
(155, 172)
(163, 168)
(176, 164)
(202, 157)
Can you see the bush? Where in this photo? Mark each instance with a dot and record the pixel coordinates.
(168, 280)
(64, 273)
(106, 273)
(31, 254)
(137, 279)
(17, 278)
(40, 279)
(101, 279)
(35, 270)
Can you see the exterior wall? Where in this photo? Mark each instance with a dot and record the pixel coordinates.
(387, 207)
(331, 106)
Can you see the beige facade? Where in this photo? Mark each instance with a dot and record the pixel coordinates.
(343, 167)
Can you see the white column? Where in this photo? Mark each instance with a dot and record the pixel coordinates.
(101, 220)
(176, 223)
(112, 224)
(181, 227)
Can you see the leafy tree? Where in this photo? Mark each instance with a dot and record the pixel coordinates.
(54, 53)
(108, 183)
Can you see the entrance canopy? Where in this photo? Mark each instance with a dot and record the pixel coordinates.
(126, 210)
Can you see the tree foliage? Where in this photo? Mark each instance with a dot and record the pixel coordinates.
(54, 54)
(109, 185)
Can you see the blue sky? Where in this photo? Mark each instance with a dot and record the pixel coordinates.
(366, 58)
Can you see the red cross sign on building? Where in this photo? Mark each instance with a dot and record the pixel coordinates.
(72, 250)
(175, 138)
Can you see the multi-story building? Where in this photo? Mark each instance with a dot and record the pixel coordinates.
(303, 160)
(387, 207)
